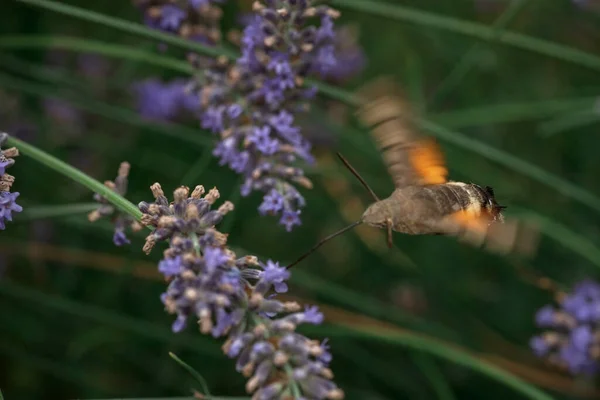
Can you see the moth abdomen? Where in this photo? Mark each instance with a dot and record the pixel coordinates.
(473, 199)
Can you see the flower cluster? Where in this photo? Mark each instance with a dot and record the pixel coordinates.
(106, 210)
(572, 338)
(231, 297)
(196, 20)
(251, 103)
(163, 101)
(8, 200)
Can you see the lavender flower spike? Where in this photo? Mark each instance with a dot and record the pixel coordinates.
(252, 104)
(107, 210)
(233, 297)
(572, 336)
(8, 203)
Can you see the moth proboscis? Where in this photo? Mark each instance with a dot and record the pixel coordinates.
(424, 201)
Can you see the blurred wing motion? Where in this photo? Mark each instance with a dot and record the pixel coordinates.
(511, 236)
(411, 159)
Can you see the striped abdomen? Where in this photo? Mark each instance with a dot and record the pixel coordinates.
(453, 197)
(416, 210)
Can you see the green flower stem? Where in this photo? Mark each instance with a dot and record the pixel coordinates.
(473, 29)
(195, 374)
(63, 168)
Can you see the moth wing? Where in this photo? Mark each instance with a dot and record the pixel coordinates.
(511, 236)
(411, 159)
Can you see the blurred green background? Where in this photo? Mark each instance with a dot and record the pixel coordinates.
(510, 89)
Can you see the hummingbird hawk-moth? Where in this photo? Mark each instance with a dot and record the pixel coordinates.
(424, 201)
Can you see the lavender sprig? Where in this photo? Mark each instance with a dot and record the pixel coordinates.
(230, 297)
(197, 20)
(572, 338)
(106, 210)
(8, 200)
(163, 101)
(251, 103)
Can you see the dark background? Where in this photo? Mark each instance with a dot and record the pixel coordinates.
(81, 318)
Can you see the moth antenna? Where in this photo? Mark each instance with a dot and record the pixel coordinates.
(323, 241)
(357, 175)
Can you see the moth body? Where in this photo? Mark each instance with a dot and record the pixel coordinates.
(417, 210)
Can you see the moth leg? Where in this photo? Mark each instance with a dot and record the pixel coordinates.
(389, 232)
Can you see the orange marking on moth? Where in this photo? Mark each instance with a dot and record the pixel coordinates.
(470, 221)
(428, 161)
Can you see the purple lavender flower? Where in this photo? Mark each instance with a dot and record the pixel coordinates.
(571, 339)
(107, 210)
(233, 297)
(8, 204)
(252, 103)
(350, 60)
(161, 101)
(261, 141)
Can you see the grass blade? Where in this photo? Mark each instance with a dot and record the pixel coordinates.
(470, 57)
(510, 112)
(94, 46)
(127, 26)
(568, 122)
(577, 243)
(535, 45)
(438, 349)
(41, 212)
(433, 374)
(194, 374)
(73, 173)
